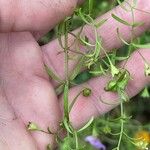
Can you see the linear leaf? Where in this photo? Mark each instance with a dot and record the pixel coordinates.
(100, 23)
(121, 38)
(141, 45)
(67, 125)
(77, 69)
(120, 20)
(87, 125)
(59, 89)
(137, 24)
(52, 74)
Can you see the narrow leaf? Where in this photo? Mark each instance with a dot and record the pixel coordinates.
(121, 38)
(52, 74)
(87, 124)
(77, 69)
(100, 23)
(74, 100)
(141, 45)
(120, 20)
(137, 24)
(67, 125)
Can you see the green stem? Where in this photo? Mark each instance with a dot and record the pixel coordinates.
(122, 126)
(76, 140)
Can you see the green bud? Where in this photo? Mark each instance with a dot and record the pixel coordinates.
(107, 130)
(86, 92)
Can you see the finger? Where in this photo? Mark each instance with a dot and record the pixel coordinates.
(13, 134)
(86, 107)
(33, 15)
(107, 31)
(26, 84)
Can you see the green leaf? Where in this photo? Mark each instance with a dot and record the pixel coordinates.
(66, 124)
(111, 86)
(137, 24)
(74, 100)
(120, 37)
(59, 89)
(123, 79)
(145, 93)
(100, 23)
(121, 58)
(120, 20)
(114, 70)
(119, 82)
(123, 96)
(119, 2)
(141, 45)
(86, 18)
(85, 42)
(101, 71)
(77, 69)
(87, 124)
(33, 127)
(52, 74)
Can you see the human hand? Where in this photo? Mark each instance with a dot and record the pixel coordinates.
(27, 95)
(25, 92)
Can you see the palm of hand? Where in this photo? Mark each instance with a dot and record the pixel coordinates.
(27, 94)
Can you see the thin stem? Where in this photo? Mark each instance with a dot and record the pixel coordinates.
(141, 10)
(76, 140)
(66, 57)
(122, 125)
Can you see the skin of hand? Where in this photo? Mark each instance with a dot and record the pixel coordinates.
(27, 94)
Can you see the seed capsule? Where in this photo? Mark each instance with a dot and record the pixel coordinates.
(86, 92)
